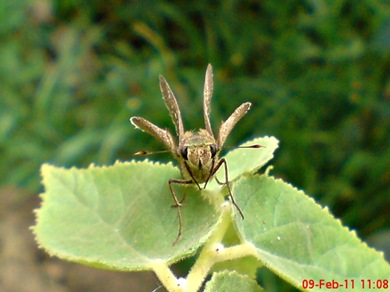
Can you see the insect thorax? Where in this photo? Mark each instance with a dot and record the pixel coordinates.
(197, 153)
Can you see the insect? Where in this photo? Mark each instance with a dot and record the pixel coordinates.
(196, 151)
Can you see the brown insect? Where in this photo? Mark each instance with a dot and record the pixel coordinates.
(197, 151)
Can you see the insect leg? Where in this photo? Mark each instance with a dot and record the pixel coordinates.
(219, 164)
(178, 204)
(219, 182)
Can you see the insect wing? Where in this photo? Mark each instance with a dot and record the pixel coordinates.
(207, 95)
(229, 124)
(173, 107)
(161, 135)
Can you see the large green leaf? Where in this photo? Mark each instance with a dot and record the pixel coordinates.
(298, 239)
(120, 217)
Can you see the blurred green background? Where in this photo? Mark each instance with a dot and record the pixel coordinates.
(317, 73)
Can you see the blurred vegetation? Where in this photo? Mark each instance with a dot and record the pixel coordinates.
(317, 73)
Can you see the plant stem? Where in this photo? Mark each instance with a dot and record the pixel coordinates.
(212, 253)
(167, 278)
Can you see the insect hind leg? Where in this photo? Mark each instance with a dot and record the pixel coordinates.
(220, 182)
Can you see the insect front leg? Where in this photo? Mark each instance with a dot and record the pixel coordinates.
(182, 182)
(219, 164)
(178, 204)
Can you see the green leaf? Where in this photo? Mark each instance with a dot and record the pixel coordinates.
(245, 265)
(231, 281)
(298, 239)
(119, 217)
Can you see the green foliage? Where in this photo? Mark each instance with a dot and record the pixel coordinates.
(298, 239)
(316, 72)
(128, 199)
(119, 217)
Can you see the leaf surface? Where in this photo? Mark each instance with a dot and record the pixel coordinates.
(119, 217)
(298, 239)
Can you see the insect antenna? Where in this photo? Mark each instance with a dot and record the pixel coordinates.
(246, 146)
(144, 153)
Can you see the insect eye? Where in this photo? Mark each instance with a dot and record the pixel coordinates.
(213, 149)
(184, 152)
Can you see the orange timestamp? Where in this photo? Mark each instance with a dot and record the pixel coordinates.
(345, 284)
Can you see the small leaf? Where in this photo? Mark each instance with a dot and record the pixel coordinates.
(247, 160)
(231, 281)
(250, 160)
(246, 266)
(119, 217)
(299, 240)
